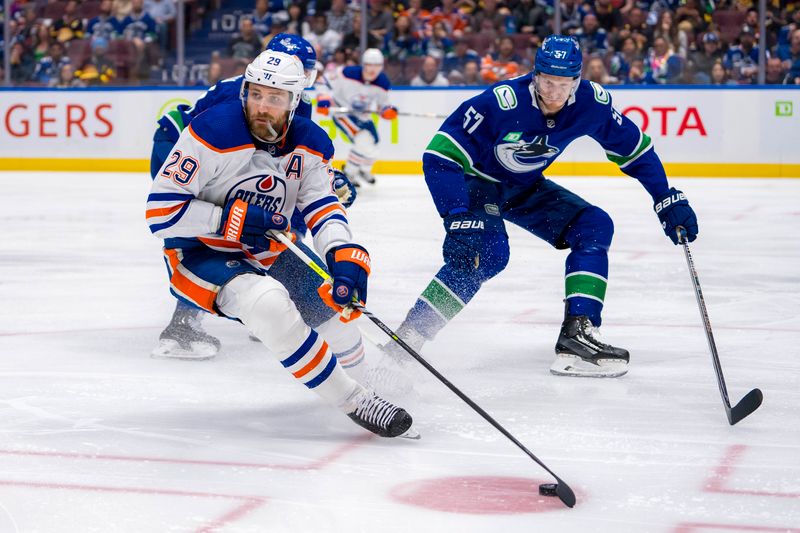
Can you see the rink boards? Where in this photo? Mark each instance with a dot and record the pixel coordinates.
(711, 132)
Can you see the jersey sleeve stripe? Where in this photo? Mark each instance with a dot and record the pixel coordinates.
(168, 196)
(313, 206)
(319, 216)
(163, 211)
(336, 216)
(447, 147)
(154, 228)
(313, 152)
(622, 161)
(219, 150)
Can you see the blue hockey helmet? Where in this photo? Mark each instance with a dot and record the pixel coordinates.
(559, 55)
(294, 45)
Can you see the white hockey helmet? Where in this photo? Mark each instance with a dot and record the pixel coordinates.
(372, 56)
(278, 70)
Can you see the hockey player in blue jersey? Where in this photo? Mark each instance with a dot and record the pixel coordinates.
(485, 166)
(184, 336)
(236, 174)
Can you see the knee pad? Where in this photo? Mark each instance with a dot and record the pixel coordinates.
(264, 306)
(495, 254)
(593, 229)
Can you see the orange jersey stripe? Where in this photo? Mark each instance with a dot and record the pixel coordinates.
(325, 212)
(199, 295)
(161, 211)
(310, 151)
(313, 363)
(172, 255)
(219, 150)
(347, 124)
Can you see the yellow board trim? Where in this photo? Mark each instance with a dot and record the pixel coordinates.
(559, 168)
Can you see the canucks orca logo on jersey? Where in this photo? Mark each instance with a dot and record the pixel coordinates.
(523, 156)
(262, 190)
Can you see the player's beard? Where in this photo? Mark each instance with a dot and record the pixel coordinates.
(267, 127)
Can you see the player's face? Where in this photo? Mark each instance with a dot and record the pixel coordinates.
(371, 72)
(267, 111)
(554, 91)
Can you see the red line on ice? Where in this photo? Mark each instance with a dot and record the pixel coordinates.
(249, 503)
(690, 527)
(718, 481)
(312, 465)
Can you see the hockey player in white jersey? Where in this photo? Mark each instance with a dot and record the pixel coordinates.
(184, 336)
(358, 92)
(237, 173)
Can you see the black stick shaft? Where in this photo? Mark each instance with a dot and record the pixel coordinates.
(563, 490)
(701, 304)
(752, 400)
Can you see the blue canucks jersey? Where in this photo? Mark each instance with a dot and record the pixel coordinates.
(228, 90)
(501, 136)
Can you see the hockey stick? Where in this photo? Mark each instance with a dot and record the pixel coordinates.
(347, 110)
(752, 400)
(563, 491)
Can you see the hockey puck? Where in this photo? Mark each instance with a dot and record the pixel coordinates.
(548, 489)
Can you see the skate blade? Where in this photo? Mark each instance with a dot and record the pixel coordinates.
(573, 366)
(170, 349)
(411, 434)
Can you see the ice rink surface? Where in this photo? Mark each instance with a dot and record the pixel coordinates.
(98, 436)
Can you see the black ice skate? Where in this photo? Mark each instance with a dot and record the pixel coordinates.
(381, 417)
(184, 338)
(581, 352)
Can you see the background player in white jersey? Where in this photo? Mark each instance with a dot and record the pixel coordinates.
(184, 336)
(484, 167)
(358, 92)
(236, 173)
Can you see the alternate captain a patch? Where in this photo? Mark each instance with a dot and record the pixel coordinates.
(525, 156)
(294, 167)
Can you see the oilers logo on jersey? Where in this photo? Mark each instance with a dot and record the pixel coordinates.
(263, 190)
(519, 155)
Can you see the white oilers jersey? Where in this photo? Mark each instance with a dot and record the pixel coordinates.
(351, 91)
(216, 160)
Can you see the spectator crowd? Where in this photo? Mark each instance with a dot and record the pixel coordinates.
(426, 43)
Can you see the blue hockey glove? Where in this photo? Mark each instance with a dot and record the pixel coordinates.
(349, 265)
(464, 241)
(344, 188)
(249, 224)
(673, 210)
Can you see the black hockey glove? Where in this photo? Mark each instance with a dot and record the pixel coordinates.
(673, 210)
